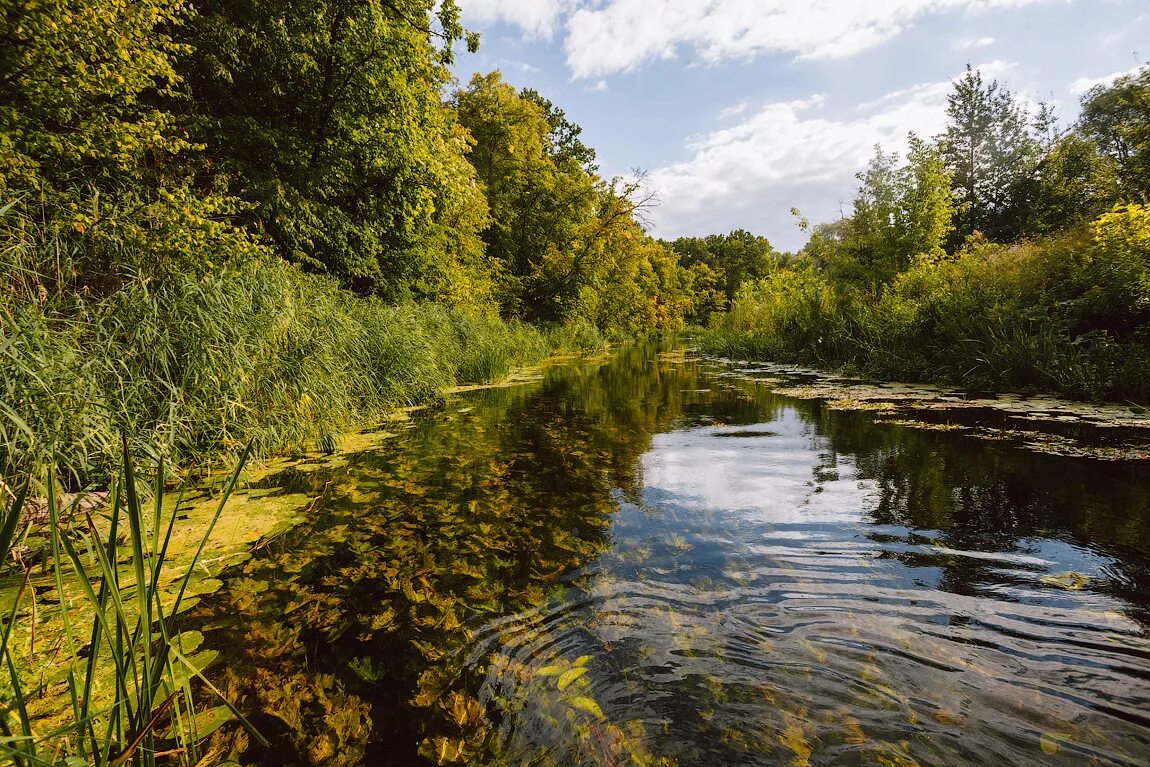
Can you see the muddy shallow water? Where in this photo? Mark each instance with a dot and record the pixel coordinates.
(652, 560)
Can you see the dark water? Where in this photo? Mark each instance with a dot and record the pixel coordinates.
(654, 562)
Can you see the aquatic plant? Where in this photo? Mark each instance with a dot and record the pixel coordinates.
(196, 365)
(108, 679)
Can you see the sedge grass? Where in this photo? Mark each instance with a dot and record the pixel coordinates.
(121, 658)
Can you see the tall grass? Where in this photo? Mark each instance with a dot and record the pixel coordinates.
(1069, 314)
(121, 659)
(198, 364)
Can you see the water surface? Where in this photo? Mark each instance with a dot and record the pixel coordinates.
(651, 561)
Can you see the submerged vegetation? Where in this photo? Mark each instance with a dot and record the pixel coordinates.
(1005, 255)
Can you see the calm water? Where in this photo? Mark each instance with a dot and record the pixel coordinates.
(655, 562)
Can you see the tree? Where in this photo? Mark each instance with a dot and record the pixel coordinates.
(565, 144)
(1075, 182)
(326, 116)
(988, 150)
(733, 258)
(901, 211)
(83, 139)
(73, 74)
(1117, 116)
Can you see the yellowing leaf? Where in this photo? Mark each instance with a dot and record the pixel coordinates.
(549, 671)
(588, 705)
(1050, 742)
(570, 676)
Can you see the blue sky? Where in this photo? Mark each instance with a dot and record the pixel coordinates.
(739, 110)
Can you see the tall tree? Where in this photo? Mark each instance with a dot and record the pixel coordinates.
(900, 211)
(989, 151)
(1117, 116)
(326, 116)
(565, 144)
(1075, 182)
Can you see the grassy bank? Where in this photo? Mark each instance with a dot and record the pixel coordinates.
(194, 366)
(1068, 314)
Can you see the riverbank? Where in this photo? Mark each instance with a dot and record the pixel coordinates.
(206, 539)
(1067, 315)
(195, 367)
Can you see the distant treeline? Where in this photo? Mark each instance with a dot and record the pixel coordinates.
(1007, 252)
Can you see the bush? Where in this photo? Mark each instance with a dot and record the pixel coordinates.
(1069, 314)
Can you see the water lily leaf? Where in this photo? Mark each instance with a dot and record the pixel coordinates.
(588, 705)
(570, 676)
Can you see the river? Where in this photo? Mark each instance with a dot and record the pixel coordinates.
(653, 560)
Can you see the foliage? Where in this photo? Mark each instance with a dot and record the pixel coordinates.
(1075, 183)
(73, 74)
(195, 365)
(325, 115)
(122, 658)
(989, 150)
(1069, 314)
(719, 265)
(567, 244)
(1117, 116)
(900, 212)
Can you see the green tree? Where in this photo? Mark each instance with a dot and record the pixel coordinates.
(326, 116)
(1117, 116)
(1075, 182)
(901, 211)
(73, 74)
(84, 145)
(565, 144)
(989, 151)
(733, 258)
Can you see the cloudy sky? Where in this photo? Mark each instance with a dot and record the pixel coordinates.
(740, 110)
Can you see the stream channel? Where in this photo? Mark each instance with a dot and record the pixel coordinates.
(654, 560)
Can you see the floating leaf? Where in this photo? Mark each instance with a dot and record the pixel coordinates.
(1050, 742)
(1071, 581)
(570, 676)
(588, 705)
(549, 671)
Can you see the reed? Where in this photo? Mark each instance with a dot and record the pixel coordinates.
(197, 365)
(121, 658)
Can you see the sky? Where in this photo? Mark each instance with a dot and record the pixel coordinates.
(740, 110)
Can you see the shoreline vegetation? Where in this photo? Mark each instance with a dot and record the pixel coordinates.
(235, 228)
(1009, 253)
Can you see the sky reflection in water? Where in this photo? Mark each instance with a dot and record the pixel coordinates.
(791, 584)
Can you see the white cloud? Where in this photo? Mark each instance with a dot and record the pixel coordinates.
(789, 154)
(1083, 84)
(735, 109)
(607, 36)
(538, 18)
(598, 87)
(982, 42)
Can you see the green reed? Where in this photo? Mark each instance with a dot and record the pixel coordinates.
(126, 673)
